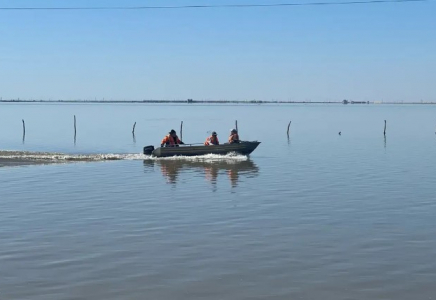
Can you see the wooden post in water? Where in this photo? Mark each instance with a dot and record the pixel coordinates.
(236, 126)
(384, 132)
(24, 130)
(181, 131)
(289, 125)
(75, 129)
(133, 133)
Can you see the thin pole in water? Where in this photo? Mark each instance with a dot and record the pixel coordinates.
(236, 126)
(181, 131)
(384, 132)
(75, 129)
(289, 125)
(133, 133)
(24, 130)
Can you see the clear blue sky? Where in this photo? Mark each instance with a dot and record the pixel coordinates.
(361, 52)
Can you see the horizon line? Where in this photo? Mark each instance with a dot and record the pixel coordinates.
(355, 2)
(191, 101)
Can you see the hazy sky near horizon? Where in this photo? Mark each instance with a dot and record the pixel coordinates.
(360, 52)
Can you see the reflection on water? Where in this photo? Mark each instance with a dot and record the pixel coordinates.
(118, 230)
(232, 169)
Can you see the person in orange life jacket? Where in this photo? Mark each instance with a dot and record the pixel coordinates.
(212, 140)
(171, 140)
(234, 137)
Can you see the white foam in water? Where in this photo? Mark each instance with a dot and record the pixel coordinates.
(60, 157)
(55, 157)
(203, 158)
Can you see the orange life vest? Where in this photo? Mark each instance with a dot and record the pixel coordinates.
(170, 141)
(233, 138)
(212, 140)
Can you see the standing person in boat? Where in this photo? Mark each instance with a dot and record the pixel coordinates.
(212, 140)
(171, 140)
(234, 137)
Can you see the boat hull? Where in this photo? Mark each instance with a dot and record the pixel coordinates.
(244, 148)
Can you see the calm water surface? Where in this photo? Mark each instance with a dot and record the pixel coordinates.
(316, 216)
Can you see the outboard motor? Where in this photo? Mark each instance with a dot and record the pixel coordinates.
(148, 150)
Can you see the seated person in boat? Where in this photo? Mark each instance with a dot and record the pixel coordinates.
(212, 140)
(234, 137)
(171, 140)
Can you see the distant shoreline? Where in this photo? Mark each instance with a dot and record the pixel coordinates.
(190, 101)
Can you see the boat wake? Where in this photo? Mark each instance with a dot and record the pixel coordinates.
(24, 157)
(62, 157)
(231, 157)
